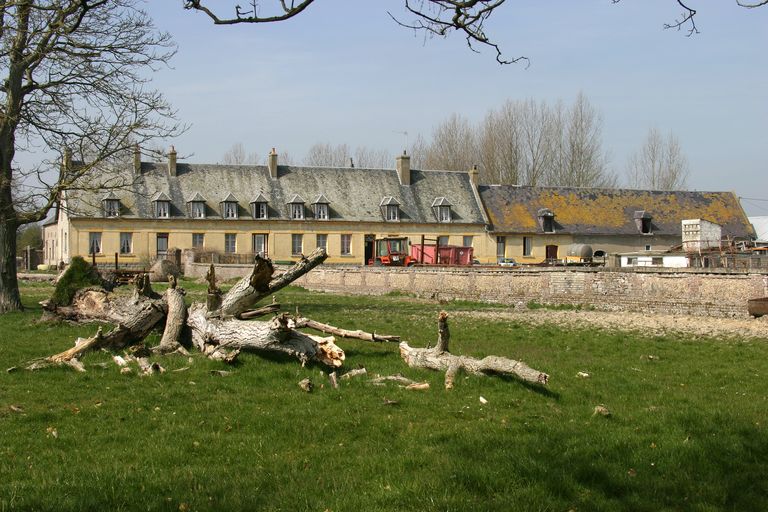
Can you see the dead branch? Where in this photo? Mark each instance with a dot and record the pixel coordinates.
(301, 323)
(442, 360)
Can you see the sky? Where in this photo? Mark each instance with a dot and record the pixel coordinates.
(343, 72)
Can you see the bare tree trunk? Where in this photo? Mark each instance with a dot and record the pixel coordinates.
(10, 300)
(175, 320)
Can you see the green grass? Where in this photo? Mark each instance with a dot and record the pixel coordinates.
(687, 432)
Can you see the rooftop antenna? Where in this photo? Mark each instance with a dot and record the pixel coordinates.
(406, 137)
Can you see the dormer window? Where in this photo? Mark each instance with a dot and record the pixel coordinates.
(229, 207)
(196, 206)
(259, 208)
(320, 205)
(162, 205)
(643, 222)
(296, 207)
(390, 209)
(441, 207)
(546, 220)
(111, 205)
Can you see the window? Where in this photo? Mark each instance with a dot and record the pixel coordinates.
(501, 247)
(442, 241)
(346, 245)
(657, 261)
(94, 243)
(260, 211)
(322, 242)
(229, 210)
(392, 212)
(230, 242)
(527, 246)
(321, 211)
(111, 207)
(647, 247)
(645, 226)
(546, 220)
(126, 243)
(259, 243)
(197, 210)
(444, 213)
(296, 245)
(198, 240)
(162, 245)
(162, 209)
(297, 211)
(467, 241)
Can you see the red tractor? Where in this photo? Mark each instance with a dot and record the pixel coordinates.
(392, 252)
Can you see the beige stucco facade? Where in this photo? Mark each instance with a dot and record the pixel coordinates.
(280, 237)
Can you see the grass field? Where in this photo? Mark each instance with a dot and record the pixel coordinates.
(687, 431)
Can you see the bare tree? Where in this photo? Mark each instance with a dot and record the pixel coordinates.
(371, 158)
(73, 75)
(660, 164)
(579, 159)
(453, 146)
(433, 17)
(499, 145)
(326, 155)
(236, 155)
(418, 151)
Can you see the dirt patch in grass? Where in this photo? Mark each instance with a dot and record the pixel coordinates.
(649, 325)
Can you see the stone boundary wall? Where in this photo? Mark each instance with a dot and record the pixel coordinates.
(718, 292)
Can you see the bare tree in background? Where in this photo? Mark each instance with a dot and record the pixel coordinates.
(418, 152)
(73, 75)
(659, 165)
(500, 146)
(579, 159)
(326, 155)
(453, 146)
(236, 155)
(369, 158)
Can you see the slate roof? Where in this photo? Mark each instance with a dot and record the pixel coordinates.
(353, 194)
(586, 211)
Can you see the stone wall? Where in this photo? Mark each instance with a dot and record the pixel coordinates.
(716, 292)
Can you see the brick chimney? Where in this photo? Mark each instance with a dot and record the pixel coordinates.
(474, 176)
(66, 160)
(403, 166)
(136, 159)
(272, 163)
(172, 162)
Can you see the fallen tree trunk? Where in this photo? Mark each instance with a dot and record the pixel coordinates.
(439, 358)
(218, 338)
(147, 314)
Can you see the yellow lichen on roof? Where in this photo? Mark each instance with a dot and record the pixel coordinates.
(518, 215)
(605, 210)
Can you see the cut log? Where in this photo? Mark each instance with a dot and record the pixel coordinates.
(440, 359)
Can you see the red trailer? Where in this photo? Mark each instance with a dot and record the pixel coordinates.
(442, 255)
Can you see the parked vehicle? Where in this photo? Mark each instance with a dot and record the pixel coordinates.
(507, 262)
(392, 252)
